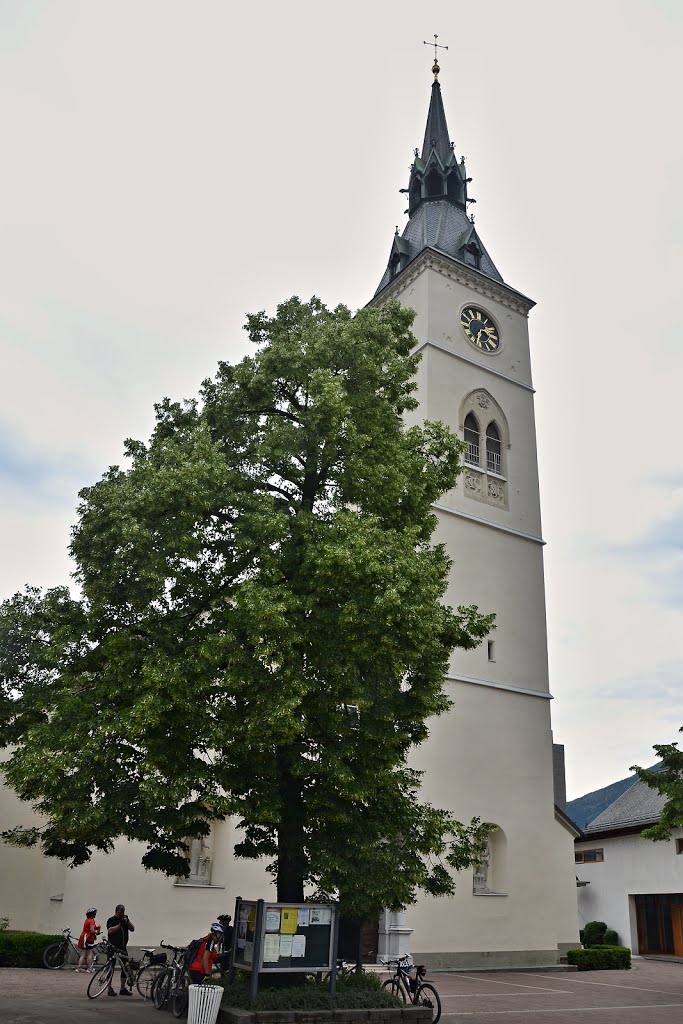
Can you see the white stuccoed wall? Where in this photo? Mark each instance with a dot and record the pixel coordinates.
(632, 866)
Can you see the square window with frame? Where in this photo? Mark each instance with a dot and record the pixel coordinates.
(595, 856)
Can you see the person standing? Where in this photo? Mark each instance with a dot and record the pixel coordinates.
(118, 928)
(87, 940)
(205, 957)
(223, 959)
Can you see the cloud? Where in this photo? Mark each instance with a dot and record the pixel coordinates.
(663, 682)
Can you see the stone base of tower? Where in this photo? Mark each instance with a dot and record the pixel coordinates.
(492, 960)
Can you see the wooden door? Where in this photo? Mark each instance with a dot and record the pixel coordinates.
(677, 926)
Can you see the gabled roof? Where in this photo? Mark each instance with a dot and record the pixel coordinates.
(639, 805)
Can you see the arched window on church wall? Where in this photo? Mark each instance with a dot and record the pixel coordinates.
(494, 463)
(472, 440)
(487, 434)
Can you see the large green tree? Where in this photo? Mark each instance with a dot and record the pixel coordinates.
(260, 629)
(667, 779)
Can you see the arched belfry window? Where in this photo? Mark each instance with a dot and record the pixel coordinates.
(472, 440)
(487, 435)
(494, 462)
(434, 183)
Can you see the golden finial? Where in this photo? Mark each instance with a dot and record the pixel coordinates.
(437, 46)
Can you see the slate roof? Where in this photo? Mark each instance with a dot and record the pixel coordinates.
(441, 225)
(436, 130)
(639, 805)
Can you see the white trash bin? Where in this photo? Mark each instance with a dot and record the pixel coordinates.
(205, 1001)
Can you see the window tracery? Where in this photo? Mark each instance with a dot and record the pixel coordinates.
(485, 431)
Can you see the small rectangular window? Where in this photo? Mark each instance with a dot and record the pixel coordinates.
(491, 650)
(589, 856)
(679, 846)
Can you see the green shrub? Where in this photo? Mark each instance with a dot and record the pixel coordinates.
(600, 958)
(4, 924)
(593, 933)
(24, 949)
(359, 992)
(611, 938)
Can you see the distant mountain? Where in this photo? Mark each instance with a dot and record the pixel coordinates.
(585, 808)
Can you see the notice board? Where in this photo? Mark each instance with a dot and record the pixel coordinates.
(293, 937)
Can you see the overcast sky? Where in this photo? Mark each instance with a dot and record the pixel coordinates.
(169, 166)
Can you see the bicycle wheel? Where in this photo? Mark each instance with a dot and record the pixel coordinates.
(160, 989)
(394, 986)
(427, 996)
(55, 956)
(180, 996)
(101, 980)
(146, 979)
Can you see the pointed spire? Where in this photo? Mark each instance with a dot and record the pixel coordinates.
(436, 131)
(438, 202)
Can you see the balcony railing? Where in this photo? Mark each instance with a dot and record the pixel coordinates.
(494, 463)
(472, 454)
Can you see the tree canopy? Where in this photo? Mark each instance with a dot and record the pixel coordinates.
(260, 629)
(667, 779)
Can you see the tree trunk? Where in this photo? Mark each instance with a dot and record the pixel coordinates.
(291, 854)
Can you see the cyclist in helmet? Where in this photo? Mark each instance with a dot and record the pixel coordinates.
(205, 957)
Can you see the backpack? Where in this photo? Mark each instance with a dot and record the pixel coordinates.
(192, 950)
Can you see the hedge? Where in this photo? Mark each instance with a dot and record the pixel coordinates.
(24, 949)
(600, 958)
(359, 992)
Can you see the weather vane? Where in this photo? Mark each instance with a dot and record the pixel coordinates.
(437, 46)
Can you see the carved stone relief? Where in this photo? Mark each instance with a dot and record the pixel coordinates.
(496, 490)
(473, 482)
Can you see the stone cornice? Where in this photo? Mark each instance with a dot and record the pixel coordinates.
(432, 259)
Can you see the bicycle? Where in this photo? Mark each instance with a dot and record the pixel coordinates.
(345, 969)
(140, 973)
(58, 953)
(412, 990)
(171, 987)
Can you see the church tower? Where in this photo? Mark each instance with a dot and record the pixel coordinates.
(491, 756)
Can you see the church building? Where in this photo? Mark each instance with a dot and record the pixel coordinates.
(492, 755)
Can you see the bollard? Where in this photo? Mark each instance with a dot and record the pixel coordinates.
(204, 1004)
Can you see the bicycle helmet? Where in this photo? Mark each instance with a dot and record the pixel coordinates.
(91, 910)
(216, 927)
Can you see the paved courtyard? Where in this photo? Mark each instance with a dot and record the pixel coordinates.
(650, 993)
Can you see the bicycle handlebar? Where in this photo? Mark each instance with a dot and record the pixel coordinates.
(401, 961)
(176, 949)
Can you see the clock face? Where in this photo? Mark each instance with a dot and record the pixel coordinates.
(480, 329)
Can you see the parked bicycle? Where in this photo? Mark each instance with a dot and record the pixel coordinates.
(140, 973)
(410, 988)
(59, 953)
(171, 987)
(345, 970)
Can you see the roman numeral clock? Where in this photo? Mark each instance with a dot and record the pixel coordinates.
(480, 329)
